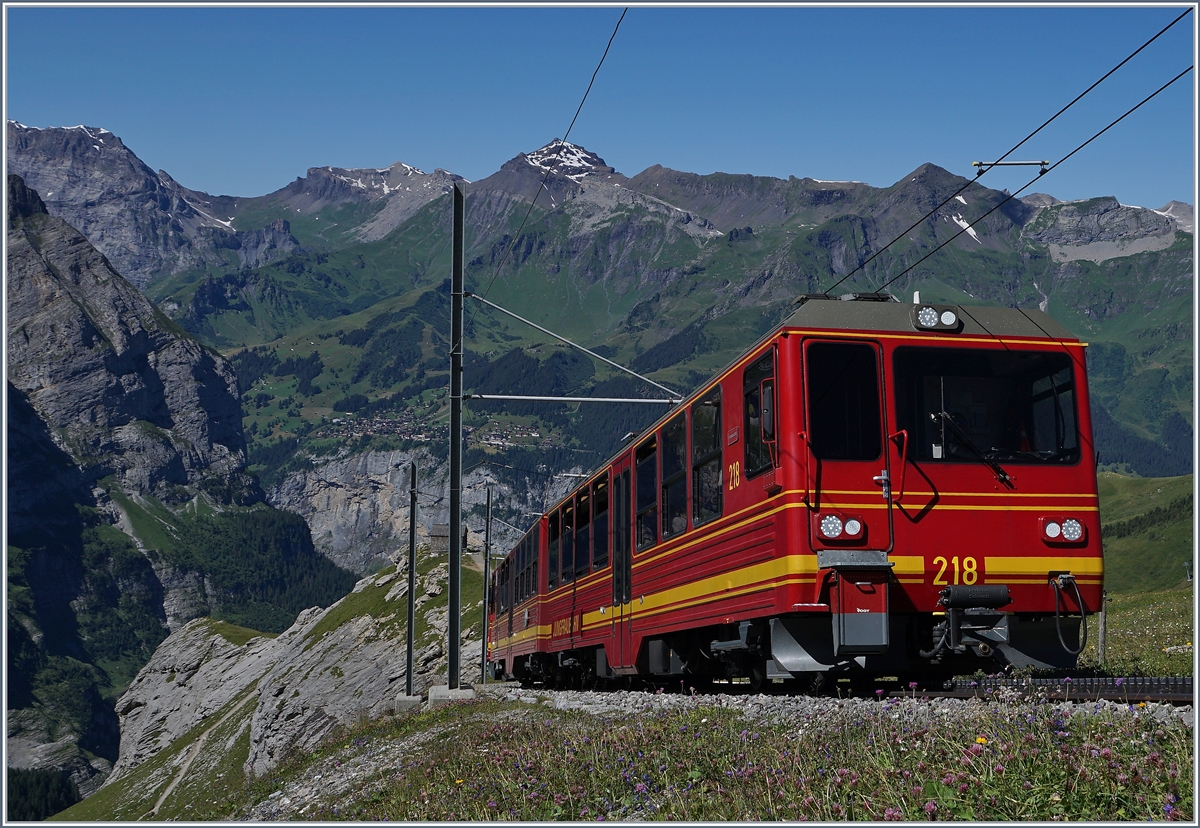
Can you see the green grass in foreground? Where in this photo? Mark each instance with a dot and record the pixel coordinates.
(1148, 634)
(494, 762)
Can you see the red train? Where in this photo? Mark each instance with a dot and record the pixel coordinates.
(875, 489)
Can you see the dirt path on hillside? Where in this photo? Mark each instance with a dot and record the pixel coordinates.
(193, 753)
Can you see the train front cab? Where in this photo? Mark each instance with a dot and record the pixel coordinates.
(947, 471)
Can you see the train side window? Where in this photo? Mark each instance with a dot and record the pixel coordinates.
(843, 401)
(529, 561)
(533, 565)
(707, 466)
(502, 586)
(758, 391)
(621, 526)
(583, 535)
(520, 572)
(647, 494)
(600, 523)
(567, 573)
(552, 538)
(674, 477)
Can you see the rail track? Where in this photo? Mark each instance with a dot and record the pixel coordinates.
(1176, 690)
(1132, 690)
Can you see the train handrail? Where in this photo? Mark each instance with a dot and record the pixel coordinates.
(898, 492)
(807, 469)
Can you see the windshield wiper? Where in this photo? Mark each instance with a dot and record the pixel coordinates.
(969, 444)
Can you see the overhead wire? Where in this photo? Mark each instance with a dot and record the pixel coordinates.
(1017, 146)
(1013, 195)
(550, 168)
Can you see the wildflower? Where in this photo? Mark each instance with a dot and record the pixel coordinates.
(890, 814)
(931, 807)
(981, 740)
(998, 769)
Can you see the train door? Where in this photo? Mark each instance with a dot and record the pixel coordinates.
(623, 656)
(845, 464)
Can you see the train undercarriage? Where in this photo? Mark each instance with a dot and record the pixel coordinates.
(799, 653)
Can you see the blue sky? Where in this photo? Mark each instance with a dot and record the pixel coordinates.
(242, 100)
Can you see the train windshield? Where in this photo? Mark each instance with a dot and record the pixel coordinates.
(961, 405)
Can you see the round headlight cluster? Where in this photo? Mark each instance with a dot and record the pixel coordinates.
(831, 526)
(853, 526)
(935, 318)
(1063, 530)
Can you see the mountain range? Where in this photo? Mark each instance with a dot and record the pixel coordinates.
(193, 371)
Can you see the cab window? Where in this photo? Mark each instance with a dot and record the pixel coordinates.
(843, 401)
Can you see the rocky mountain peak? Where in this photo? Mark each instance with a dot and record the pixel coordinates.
(1182, 212)
(22, 201)
(568, 160)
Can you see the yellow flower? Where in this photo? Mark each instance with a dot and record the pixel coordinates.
(981, 740)
(457, 781)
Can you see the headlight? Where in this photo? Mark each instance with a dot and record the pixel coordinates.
(831, 526)
(927, 317)
(1061, 529)
(949, 318)
(853, 526)
(1072, 529)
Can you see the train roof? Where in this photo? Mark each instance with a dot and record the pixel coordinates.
(883, 313)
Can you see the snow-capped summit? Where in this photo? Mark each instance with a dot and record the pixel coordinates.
(568, 160)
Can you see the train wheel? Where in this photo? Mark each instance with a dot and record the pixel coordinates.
(757, 673)
(811, 684)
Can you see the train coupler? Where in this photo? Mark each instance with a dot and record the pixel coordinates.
(973, 621)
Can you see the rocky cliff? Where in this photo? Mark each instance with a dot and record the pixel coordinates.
(357, 505)
(123, 390)
(330, 669)
(1099, 229)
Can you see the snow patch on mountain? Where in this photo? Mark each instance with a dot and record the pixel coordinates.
(568, 160)
(964, 224)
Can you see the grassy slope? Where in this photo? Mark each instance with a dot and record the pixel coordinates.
(1154, 558)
